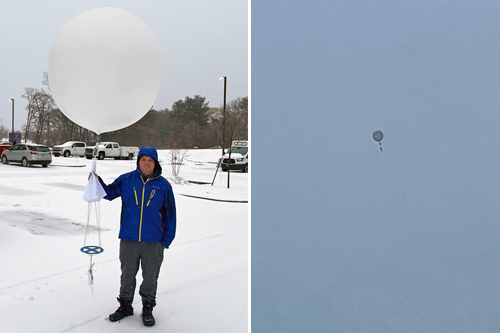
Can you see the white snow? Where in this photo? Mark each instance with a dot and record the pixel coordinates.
(203, 284)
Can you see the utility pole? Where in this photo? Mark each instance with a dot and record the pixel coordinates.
(11, 99)
(223, 113)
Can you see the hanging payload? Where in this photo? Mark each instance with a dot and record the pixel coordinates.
(378, 136)
(93, 194)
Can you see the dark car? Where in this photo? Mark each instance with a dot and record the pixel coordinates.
(28, 154)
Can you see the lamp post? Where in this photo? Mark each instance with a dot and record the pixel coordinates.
(223, 113)
(11, 99)
(224, 129)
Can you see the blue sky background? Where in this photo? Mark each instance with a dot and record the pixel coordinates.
(346, 238)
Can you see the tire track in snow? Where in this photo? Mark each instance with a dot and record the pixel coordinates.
(189, 243)
(212, 199)
(209, 239)
(73, 326)
(48, 276)
(206, 277)
(171, 290)
(218, 272)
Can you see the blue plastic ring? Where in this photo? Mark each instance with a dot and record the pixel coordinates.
(91, 249)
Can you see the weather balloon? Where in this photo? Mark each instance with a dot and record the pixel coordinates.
(378, 136)
(105, 69)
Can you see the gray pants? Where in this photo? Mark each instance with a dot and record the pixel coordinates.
(150, 257)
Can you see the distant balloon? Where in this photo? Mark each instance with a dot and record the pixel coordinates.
(378, 136)
(105, 69)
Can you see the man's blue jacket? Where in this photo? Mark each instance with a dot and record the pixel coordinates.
(148, 205)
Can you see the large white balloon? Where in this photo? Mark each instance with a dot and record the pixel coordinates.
(105, 69)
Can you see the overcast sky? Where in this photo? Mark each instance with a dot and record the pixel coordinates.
(201, 39)
(346, 238)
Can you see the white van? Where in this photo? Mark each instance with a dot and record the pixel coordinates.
(236, 158)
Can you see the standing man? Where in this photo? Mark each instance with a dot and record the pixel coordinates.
(147, 227)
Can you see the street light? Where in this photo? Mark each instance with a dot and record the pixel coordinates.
(11, 99)
(223, 113)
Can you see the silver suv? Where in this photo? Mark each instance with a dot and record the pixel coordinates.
(28, 154)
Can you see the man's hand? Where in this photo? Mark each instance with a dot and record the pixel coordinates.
(95, 174)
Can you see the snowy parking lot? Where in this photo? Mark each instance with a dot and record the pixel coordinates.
(203, 285)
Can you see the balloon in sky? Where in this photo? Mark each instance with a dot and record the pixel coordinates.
(105, 69)
(378, 136)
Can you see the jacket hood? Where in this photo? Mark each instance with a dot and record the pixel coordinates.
(151, 152)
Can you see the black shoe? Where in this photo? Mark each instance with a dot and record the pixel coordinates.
(124, 310)
(147, 314)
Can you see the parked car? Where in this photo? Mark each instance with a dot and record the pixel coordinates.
(70, 148)
(5, 146)
(27, 154)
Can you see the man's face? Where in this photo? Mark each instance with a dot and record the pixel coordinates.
(147, 165)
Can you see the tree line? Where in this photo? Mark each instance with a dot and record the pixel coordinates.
(190, 123)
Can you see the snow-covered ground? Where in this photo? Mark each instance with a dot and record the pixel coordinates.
(203, 285)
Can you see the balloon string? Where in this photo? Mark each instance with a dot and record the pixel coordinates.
(89, 209)
(98, 221)
(97, 208)
(91, 270)
(90, 273)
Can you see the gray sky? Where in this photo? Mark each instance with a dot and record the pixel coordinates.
(201, 40)
(346, 238)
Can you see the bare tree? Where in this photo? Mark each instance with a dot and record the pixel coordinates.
(191, 122)
(30, 96)
(40, 106)
(237, 120)
(4, 132)
(213, 133)
(40, 113)
(176, 156)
